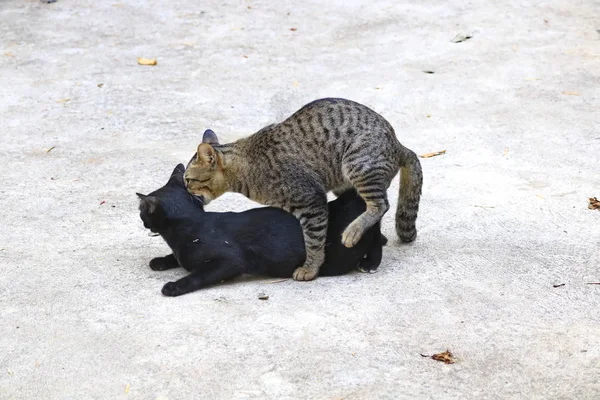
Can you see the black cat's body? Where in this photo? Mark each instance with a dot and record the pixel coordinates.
(218, 246)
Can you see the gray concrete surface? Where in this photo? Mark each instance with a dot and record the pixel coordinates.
(503, 218)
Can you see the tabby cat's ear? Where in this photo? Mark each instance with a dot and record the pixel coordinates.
(149, 203)
(207, 156)
(210, 137)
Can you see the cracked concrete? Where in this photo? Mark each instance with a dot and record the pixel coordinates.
(503, 216)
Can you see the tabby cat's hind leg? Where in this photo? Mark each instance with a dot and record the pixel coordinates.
(374, 193)
(342, 189)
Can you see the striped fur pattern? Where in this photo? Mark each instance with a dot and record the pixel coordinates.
(327, 145)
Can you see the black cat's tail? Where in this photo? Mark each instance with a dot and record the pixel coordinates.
(411, 181)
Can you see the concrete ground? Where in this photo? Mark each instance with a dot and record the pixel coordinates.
(503, 216)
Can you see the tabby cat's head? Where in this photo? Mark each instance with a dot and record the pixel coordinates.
(204, 174)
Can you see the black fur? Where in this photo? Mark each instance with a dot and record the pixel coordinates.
(219, 246)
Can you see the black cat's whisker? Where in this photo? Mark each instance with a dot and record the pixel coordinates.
(197, 198)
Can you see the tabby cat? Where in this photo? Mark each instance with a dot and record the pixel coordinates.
(329, 144)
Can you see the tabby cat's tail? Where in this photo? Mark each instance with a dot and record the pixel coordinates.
(411, 181)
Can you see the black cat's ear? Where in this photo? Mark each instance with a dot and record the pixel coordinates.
(177, 175)
(210, 137)
(179, 169)
(148, 203)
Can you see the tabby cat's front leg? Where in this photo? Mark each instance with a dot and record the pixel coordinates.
(313, 220)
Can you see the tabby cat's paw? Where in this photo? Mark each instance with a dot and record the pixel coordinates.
(353, 233)
(305, 274)
(171, 289)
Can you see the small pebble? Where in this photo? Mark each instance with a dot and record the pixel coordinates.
(263, 296)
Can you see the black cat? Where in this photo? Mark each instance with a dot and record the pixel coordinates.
(218, 246)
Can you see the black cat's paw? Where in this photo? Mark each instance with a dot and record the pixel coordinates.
(367, 267)
(162, 264)
(171, 289)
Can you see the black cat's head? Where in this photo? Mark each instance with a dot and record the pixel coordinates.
(171, 201)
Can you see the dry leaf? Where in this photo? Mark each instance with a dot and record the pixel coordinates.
(37, 364)
(506, 150)
(540, 196)
(245, 56)
(293, 29)
(594, 203)
(296, 83)
(127, 387)
(428, 115)
(435, 153)
(48, 150)
(63, 100)
(8, 54)
(460, 38)
(100, 85)
(146, 61)
(446, 357)
(571, 93)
